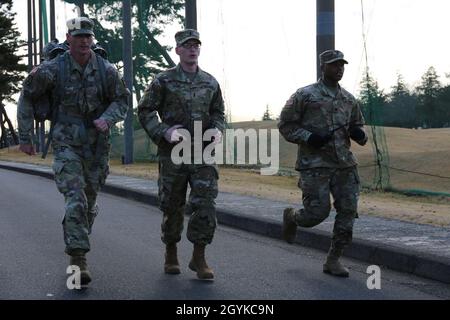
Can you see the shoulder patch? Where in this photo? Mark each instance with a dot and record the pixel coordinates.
(290, 101)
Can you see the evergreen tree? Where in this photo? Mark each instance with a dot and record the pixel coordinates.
(267, 115)
(400, 110)
(444, 107)
(11, 70)
(372, 100)
(400, 89)
(428, 92)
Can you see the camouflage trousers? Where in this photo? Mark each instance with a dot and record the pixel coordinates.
(79, 180)
(173, 181)
(316, 185)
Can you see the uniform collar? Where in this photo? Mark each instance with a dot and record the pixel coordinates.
(181, 75)
(326, 91)
(91, 65)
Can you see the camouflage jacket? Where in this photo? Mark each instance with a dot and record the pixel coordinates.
(315, 109)
(178, 100)
(82, 97)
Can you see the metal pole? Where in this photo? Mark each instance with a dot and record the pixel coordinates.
(3, 137)
(35, 63)
(35, 51)
(30, 37)
(325, 28)
(191, 14)
(41, 128)
(44, 23)
(128, 76)
(52, 20)
(40, 20)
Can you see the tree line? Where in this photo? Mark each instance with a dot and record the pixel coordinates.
(426, 106)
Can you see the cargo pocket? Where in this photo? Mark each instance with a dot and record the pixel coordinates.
(58, 167)
(358, 187)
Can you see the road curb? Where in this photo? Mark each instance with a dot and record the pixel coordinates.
(400, 259)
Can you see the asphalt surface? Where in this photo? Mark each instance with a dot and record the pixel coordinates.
(126, 259)
(418, 249)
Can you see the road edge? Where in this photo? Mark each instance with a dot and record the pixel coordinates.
(399, 259)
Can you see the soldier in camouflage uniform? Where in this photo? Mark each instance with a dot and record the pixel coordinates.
(321, 119)
(180, 96)
(86, 110)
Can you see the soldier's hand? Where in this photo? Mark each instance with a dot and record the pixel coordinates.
(172, 135)
(318, 141)
(357, 134)
(28, 149)
(101, 125)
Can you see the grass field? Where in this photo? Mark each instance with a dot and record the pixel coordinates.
(426, 151)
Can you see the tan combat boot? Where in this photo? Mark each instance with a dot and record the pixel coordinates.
(333, 266)
(78, 258)
(171, 265)
(289, 225)
(198, 263)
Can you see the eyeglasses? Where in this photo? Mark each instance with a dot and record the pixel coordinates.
(195, 46)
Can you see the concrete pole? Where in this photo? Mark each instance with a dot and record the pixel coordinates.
(325, 29)
(191, 14)
(128, 77)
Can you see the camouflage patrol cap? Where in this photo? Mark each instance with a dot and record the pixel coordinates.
(331, 56)
(49, 48)
(52, 49)
(99, 50)
(185, 35)
(80, 25)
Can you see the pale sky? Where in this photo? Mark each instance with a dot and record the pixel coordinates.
(261, 51)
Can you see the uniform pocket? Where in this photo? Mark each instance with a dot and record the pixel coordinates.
(70, 99)
(61, 184)
(68, 175)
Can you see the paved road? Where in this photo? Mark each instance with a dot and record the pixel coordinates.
(126, 257)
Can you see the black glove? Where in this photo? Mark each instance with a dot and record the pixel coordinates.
(318, 141)
(357, 134)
